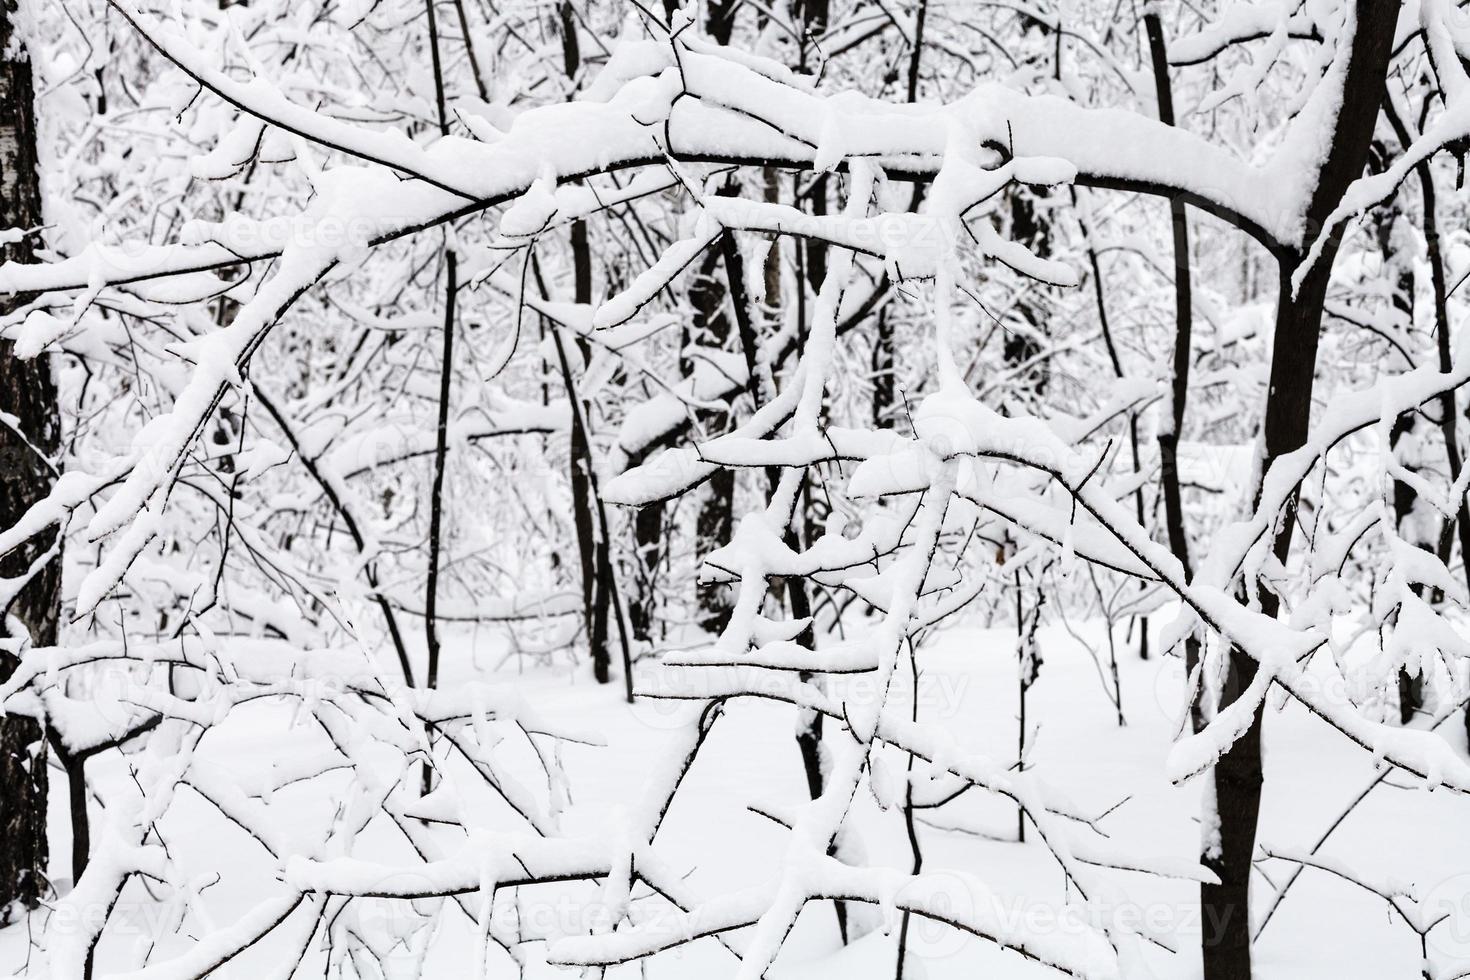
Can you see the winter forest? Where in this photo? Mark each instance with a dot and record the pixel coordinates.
(791, 489)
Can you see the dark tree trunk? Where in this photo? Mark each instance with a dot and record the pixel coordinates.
(1183, 337)
(75, 767)
(812, 15)
(436, 494)
(1386, 221)
(601, 581)
(713, 528)
(648, 552)
(27, 471)
(716, 521)
(884, 387)
(590, 544)
(816, 249)
(1019, 348)
(720, 19)
(1226, 906)
(441, 428)
(1413, 698)
(1140, 509)
(1410, 686)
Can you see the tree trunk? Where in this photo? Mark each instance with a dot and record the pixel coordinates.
(441, 428)
(884, 383)
(590, 543)
(1449, 410)
(648, 552)
(715, 521)
(1183, 337)
(27, 470)
(1225, 907)
(720, 19)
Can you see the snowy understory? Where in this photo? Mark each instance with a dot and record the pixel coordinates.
(391, 389)
(722, 833)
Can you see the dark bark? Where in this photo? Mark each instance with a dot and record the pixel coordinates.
(436, 493)
(1183, 335)
(329, 490)
(713, 528)
(469, 48)
(884, 386)
(1385, 221)
(591, 545)
(812, 15)
(1028, 652)
(441, 430)
(916, 50)
(720, 19)
(607, 585)
(1029, 228)
(715, 521)
(816, 248)
(1410, 686)
(1449, 410)
(1411, 690)
(27, 471)
(1238, 779)
(76, 783)
(744, 317)
(604, 582)
(599, 581)
(910, 825)
(1032, 229)
(809, 727)
(594, 602)
(571, 53)
(648, 552)
(1140, 511)
(648, 525)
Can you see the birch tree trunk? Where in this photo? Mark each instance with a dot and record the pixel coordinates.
(30, 436)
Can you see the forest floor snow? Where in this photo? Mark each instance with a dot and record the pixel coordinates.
(1325, 928)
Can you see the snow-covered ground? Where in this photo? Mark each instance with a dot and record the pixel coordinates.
(1325, 928)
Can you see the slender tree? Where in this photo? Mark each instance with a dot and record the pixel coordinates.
(30, 438)
(1238, 778)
